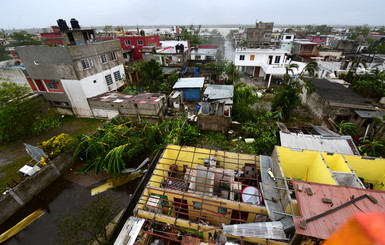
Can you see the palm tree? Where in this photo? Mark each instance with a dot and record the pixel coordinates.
(347, 128)
(288, 96)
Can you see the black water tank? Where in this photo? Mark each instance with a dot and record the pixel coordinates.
(75, 24)
(142, 33)
(181, 48)
(62, 24)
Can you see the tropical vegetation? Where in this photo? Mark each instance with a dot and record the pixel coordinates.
(114, 145)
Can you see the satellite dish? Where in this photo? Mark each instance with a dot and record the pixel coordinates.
(252, 195)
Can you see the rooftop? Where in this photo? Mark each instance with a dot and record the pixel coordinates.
(216, 92)
(191, 82)
(327, 216)
(338, 95)
(333, 144)
(304, 41)
(145, 98)
(370, 114)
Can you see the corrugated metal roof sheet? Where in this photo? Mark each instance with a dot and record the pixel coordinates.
(216, 92)
(312, 205)
(332, 144)
(191, 82)
(370, 114)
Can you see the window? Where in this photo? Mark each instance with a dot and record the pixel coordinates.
(127, 42)
(103, 58)
(288, 37)
(197, 205)
(252, 57)
(277, 59)
(87, 63)
(59, 103)
(267, 36)
(140, 42)
(112, 56)
(109, 80)
(117, 76)
(222, 211)
(197, 57)
(52, 85)
(241, 57)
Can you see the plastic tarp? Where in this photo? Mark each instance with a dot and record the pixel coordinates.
(265, 230)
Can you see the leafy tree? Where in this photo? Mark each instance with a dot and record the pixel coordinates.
(114, 145)
(370, 84)
(263, 129)
(89, 226)
(4, 55)
(373, 148)
(22, 38)
(232, 73)
(107, 28)
(244, 98)
(17, 114)
(287, 97)
(150, 74)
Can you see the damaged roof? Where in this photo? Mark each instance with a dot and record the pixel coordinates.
(370, 114)
(333, 144)
(339, 202)
(144, 98)
(216, 92)
(338, 95)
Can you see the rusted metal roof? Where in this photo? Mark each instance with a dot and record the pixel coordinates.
(339, 203)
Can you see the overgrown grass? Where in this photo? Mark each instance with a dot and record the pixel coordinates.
(9, 172)
(69, 124)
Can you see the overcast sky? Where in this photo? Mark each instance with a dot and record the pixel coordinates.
(42, 13)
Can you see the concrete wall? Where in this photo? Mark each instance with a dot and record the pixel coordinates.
(214, 123)
(48, 63)
(79, 91)
(93, 50)
(15, 75)
(33, 185)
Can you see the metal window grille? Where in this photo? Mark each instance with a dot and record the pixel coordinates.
(52, 85)
(112, 56)
(109, 80)
(117, 76)
(103, 58)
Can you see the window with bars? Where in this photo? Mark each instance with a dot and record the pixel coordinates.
(109, 80)
(103, 58)
(127, 42)
(112, 56)
(87, 63)
(277, 59)
(117, 76)
(241, 57)
(52, 85)
(140, 42)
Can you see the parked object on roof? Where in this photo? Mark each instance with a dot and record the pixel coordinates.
(267, 230)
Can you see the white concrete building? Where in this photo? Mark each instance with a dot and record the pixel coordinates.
(286, 42)
(263, 63)
(68, 75)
